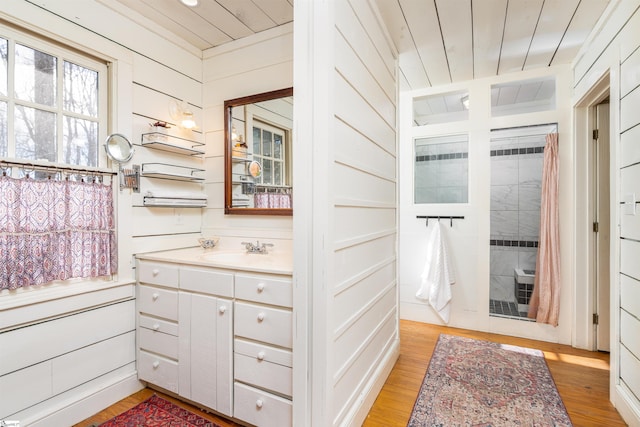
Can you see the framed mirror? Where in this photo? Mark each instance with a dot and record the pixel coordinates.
(258, 154)
(118, 148)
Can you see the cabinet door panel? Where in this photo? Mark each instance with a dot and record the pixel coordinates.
(206, 351)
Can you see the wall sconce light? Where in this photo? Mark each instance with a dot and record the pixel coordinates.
(465, 102)
(181, 113)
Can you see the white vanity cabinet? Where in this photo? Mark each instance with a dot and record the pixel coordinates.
(185, 332)
(263, 375)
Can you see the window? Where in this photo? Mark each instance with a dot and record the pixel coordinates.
(52, 101)
(441, 169)
(269, 146)
(53, 107)
(524, 96)
(441, 108)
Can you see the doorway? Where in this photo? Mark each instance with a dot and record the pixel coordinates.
(600, 242)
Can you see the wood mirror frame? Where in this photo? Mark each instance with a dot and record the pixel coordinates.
(228, 154)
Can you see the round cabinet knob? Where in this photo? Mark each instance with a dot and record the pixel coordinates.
(260, 287)
(259, 403)
(260, 317)
(155, 271)
(261, 355)
(156, 327)
(222, 309)
(156, 364)
(155, 296)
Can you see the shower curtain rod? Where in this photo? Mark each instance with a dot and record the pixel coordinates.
(519, 136)
(56, 167)
(528, 126)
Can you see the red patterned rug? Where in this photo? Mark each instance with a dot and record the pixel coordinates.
(485, 384)
(157, 412)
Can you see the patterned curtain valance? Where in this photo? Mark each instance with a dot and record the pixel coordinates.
(55, 230)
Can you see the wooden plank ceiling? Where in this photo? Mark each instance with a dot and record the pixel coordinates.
(439, 41)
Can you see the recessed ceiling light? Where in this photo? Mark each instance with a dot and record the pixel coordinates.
(190, 3)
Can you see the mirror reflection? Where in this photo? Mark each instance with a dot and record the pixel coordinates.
(258, 153)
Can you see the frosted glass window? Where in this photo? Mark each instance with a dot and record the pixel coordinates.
(441, 108)
(441, 172)
(524, 96)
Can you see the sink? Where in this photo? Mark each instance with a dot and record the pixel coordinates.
(525, 277)
(243, 259)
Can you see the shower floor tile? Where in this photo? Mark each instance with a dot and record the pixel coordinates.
(506, 308)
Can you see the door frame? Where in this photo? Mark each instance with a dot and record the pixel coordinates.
(584, 331)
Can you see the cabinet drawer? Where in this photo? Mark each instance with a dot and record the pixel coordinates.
(158, 302)
(275, 290)
(158, 325)
(263, 374)
(206, 281)
(158, 273)
(261, 408)
(158, 342)
(271, 325)
(158, 370)
(265, 352)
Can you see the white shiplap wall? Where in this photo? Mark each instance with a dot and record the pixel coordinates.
(96, 320)
(616, 49)
(345, 224)
(255, 64)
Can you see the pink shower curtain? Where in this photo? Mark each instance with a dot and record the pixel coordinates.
(544, 305)
(54, 230)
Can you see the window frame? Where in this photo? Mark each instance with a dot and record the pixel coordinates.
(63, 53)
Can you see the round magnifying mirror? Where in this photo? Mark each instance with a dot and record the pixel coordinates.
(118, 148)
(255, 169)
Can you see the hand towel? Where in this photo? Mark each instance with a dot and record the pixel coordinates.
(437, 276)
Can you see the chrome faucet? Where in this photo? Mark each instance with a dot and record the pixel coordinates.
(257, 248)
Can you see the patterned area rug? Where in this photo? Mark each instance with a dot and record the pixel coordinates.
(157, 412)
(485, 384)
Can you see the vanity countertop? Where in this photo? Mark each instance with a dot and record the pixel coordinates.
(274, 262)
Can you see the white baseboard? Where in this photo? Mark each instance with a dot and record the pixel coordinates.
(373, 388)
(627, 405)
(87, 405)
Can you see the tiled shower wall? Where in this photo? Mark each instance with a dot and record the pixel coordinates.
(516, 177)
(441, 171)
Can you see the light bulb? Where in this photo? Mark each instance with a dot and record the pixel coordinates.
(190, 3)
(187, 120)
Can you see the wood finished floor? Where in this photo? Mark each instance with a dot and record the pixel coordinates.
(582, 378)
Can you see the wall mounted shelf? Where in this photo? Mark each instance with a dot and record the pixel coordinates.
(173, 144)
(173, 172)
